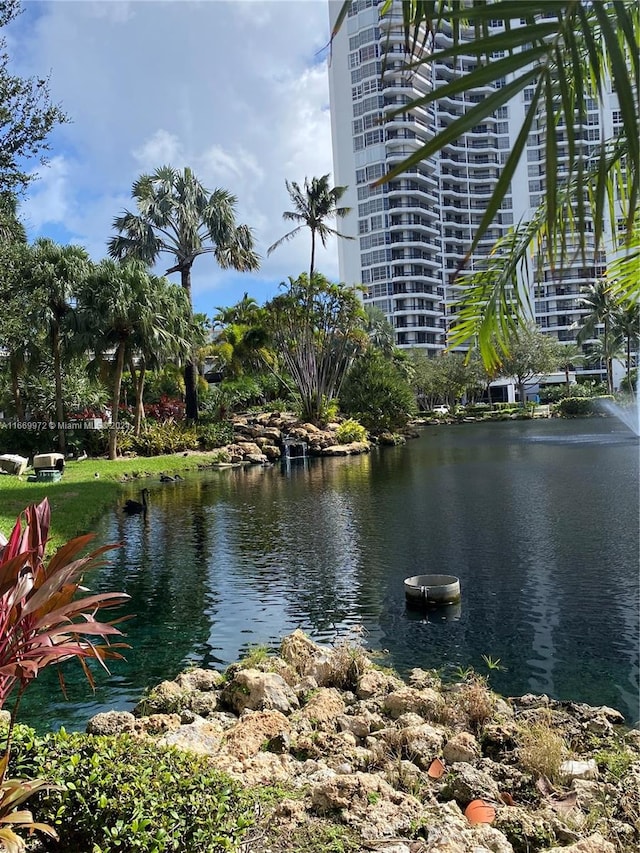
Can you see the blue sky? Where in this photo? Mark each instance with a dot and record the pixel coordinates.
(237, 90)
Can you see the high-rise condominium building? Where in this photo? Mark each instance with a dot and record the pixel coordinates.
(412, 233)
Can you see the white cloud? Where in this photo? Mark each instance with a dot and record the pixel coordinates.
(49, 200)
(233, 89)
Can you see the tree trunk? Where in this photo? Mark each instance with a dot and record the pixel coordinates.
(115, 403)
(566, 377)
(15, 389)
(190, 373)
(138, 385)
(57, 371)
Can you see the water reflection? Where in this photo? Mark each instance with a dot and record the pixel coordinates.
(538, 531)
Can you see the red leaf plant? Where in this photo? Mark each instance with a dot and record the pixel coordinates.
(44, 622)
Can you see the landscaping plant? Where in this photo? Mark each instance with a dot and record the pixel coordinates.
(43, 622)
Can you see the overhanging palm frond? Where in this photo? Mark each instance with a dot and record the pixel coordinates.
(567, 53)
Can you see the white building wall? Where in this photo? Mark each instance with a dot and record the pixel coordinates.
(426, 220)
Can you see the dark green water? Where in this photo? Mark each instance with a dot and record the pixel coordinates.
(539, 520)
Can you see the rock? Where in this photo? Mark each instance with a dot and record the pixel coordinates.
(468, 784)
(254, 732)
(427, 702)
(570, 770)
(167, 698)
(374, 683)
(259, 691)
(5, 718)
(204, 704)
(523, 830)
(158, 724)
(256, 458)
(324, 706)
(359, 725)
(421, 743)
(203, 739)
(462, 747)
(307, 658)
(111, 723)
(592, 794)
(199, 679)
(420, 678)
(593, 844)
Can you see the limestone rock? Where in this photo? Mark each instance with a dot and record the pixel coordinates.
(204, 739)
(253, 732)
(593, 844)
(199, 679)
(324, 706)
(421, 743)
(426, 702)
(158, 724)
(307, 658)
(111, 723)
(470, 784)
(373, 682)
(462, 747)
(259, 691)
(167, 698)
(204, 704)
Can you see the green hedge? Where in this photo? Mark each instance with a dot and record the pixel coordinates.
(127, 794)
(574, 407)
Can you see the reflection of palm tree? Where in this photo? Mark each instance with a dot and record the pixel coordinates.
(313, 206)
(177, 215)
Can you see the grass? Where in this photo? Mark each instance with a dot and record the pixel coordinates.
(80, 498)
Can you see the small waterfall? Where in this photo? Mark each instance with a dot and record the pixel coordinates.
(294, 449)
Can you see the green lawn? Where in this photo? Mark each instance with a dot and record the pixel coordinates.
(80, 498)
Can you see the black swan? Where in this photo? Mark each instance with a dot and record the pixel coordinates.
(135, 507)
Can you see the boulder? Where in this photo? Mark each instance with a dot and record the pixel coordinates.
(468, 784)
(253, 732)
(324, 706)
(373, 682)
(199, 738)
(461, 747)
(167, 698)
(111, 723)
(259, 691)
(426, 702)
(593, 844)
(307, 658)
(199, 679)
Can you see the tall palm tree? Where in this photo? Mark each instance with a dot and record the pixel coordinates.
(598, 299)
(57, 272)
(566, 53)
(312, 207)
(178, 216)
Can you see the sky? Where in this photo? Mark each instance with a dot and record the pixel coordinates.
(236, 89)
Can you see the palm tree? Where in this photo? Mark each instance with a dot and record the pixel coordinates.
(566, 53)
(312, 207)
(57, 272)
(598, 299)
(568, 356)
(178, 216)
(379, 330)
(625, 324)
(122, 310)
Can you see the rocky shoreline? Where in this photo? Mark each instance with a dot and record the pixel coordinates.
(378, 763)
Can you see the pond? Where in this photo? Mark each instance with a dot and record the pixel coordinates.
(538, 519)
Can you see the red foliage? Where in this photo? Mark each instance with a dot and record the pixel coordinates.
(41, 620)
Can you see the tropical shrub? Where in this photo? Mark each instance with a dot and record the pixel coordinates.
(126, 793)
(573, 407)
(214, 434)
(377, 394)
(350, 430)
(159, 437)
(43, 622)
